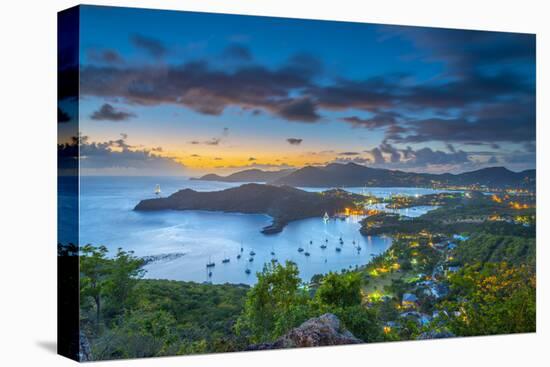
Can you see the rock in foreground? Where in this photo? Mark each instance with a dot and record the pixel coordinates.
(321, 331)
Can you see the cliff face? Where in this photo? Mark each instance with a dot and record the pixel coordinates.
(324, 330)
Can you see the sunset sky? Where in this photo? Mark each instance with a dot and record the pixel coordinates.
(188, 93)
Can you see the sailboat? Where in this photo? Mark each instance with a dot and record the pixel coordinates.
(225, 259)
(252, 253)
(157, 191)
(210, 263)
(238, 256)
(326, 217)
(247, 271)
(307, 252)
(272, 251)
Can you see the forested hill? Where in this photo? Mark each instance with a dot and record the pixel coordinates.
(282, 203)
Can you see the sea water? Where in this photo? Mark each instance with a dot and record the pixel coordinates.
(107, 218)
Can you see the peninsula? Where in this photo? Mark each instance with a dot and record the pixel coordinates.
(283, 203)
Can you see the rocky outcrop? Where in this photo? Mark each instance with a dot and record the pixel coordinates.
(321, 331)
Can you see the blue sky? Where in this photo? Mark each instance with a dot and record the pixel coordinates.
(194, 92)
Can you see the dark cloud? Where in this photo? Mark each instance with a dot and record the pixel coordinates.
(196, 86)
(108, 112)
(388, 156)
(294, 141)
(377, 156)
(112, 155)
(378, 120)
(251, 159)
(465, 51)
(372, 94)
(62, 116)
(106, 56)
(213, 141)
(299, 110)
(304, 64)
(152, 46)
(387, 148)
(349, 153)
(357, 160)
(427, 156)
(508, 128)
(484, 93)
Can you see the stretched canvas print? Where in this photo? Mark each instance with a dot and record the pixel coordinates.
(237, 183)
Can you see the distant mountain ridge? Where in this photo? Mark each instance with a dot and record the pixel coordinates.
(351, 174)
(249, 175)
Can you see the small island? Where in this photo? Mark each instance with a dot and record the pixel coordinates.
(283, 203)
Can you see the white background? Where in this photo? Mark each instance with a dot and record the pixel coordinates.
(28, 182)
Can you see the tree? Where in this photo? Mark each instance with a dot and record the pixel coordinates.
(340, 290)
(93, 275)
(124, 271)
(492, 299)
(274, 305)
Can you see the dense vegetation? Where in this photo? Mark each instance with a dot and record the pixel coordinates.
(428, 284)
(125, 316)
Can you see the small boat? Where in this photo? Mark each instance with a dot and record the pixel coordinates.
(326, 217)
(210, 274)
(341, 241)
(311, 242)
(300, 249)
(252, 253)
(251, 259)
(326, 240)
(157, 191)
(238, 256)
(307, 253)
(225, 261)
(338, 249)
(210, 264)
(247, 271)
(323, 246)
(274, 261)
